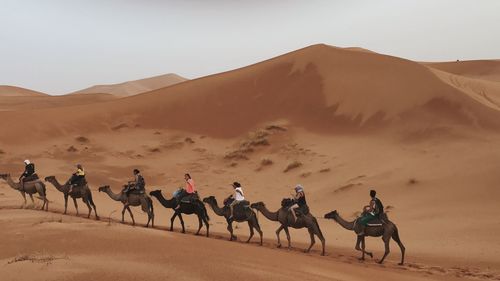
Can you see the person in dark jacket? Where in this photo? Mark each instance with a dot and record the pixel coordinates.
(138, 184)
(374, 210)
(300, 205)
(29, 173)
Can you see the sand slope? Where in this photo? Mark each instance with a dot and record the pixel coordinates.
(135, 87)
(13, 91)
(323, 88)
(483, 69)
(340, 122)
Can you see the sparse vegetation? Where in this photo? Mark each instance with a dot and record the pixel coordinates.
(412, 181)
(325, 170)
(82, 139)
(72, 149)
(236, 155)
(119, 126)
(36, 258)
(266, 162)
(154, 150)
(347, 187)
(188, 140)
(275, 128)
(291, 166)
(306, 174)
(52, 219)
(2, 152)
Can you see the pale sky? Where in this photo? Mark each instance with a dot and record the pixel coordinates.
(60, 46)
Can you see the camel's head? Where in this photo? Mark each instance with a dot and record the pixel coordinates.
(258, 205)
(155, 192)
(50, 178)
(209, 199)
(331, 215)
(103, 188)
(4, 176)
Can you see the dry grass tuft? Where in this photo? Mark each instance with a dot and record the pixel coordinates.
(37, 258)
(82, 139)
(292, 166)
(412, 181)
(72, 149)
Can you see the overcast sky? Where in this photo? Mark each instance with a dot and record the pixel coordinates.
(59, 46)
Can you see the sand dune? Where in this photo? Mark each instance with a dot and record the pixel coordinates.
(13, 91)
(340, 122)
(323, 88)
(482, 69)
(135, 87)
(28, 103)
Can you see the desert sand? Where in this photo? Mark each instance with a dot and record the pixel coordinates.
(338, 121)
(135, 87)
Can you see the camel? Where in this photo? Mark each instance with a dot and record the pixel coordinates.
(31, 187)
(247, 215)
(286, 219)
(387, 230)
(78, 192)
(142, 200)
(185, 208)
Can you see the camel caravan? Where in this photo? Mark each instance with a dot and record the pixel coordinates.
(293, 213)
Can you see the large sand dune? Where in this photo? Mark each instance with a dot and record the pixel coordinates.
(323, 88)
(339, 121)
(135, 87)
(13, 91)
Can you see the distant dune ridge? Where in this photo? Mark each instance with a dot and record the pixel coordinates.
(320, 87)
(13, 91)
(135, 87)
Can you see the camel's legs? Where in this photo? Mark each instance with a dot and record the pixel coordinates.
(200, 224)
(386, 240)
(131, 215)
(230, 229)
(88, 206)
(313, 241)
(395, 236)
(288, 238)
(151, 214)
(95, 210)
(257, 227)
(172, 219)
(278, 234)
(123, 213)
(182, 223)
(76, 204)
(206, 223)
(32, 201)
(126, 207)
(65, 203)
(360, 246)
(250, 226)
(24, 196)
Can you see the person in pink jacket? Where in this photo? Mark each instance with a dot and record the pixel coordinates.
(190, 189)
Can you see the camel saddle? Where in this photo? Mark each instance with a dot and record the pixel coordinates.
(377, 221)
(136, 192)
(190, 198)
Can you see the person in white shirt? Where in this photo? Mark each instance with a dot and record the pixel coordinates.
(238, 197)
